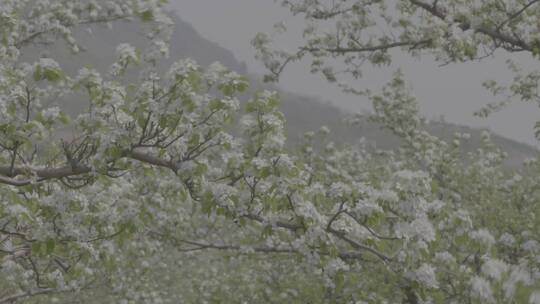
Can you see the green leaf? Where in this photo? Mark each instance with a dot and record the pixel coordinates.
(147, 16)
(115, 152)
(37, 73)
(52, 75)
(215, 104)
(227, 89)
(49, 245)
(63, 118)
(36, 247)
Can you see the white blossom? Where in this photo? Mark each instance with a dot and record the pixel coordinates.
(482, 236)
(425, 275)
(494, 268)
(482, 289)
(535, 297)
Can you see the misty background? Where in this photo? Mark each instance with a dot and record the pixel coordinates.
(210, 30)
(453, 92)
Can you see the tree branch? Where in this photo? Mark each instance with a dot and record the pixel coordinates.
(516, 14)
(381, 47)
(495, 34)
(20, 296)
(8, 173)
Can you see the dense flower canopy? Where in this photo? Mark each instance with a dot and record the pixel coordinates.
(167, 189)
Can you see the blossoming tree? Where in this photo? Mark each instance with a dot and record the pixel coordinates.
(164, 191)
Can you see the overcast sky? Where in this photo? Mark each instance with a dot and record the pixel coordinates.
(453, 91)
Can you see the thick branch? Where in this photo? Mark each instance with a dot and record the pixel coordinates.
(204, 246)
(150, 159)
(337, 233)
(359, 246)
(20, 296)
(381, 47)
(44, 173)
(201, 246)
(8, 174)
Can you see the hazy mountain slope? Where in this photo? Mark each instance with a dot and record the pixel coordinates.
(302, 113)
